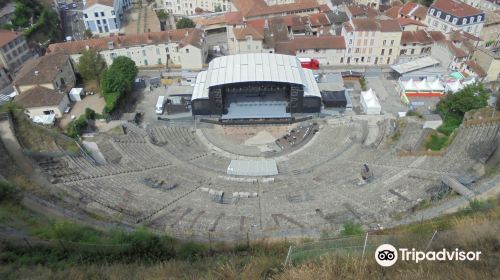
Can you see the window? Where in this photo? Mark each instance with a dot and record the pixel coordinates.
(392, 42)
(432, 11)
(145, 62)
(112, 13)
(102, 14)
(472, 20)
(464, 21)
(479, 18)
(385, 42)
(447, 18)
(341, 60)
(96, 14)
(454, 21)
(143, 53)
(438, 14)
(166, 49)
(412, 51)
(85, 16)
(187, 50)
(98, 22)
(390, 51)
(158, 52)
(382, 52)
(350, 41)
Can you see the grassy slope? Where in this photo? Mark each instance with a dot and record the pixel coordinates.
(476, 229)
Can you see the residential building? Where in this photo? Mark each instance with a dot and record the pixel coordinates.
(252, 9)
(485, 5)
(491, 29)
(42, 85)
(327, 49)
(183, 48)
(103, 17)
(409, 10)
(417, 44)
(489, 61)
(192, 7)
(40, 101)
(246, 39)
(5, 78)
(360, 11)
(370, 3)
(450, 56)
(53, 71)
(370, 41)
(14, 50)
(448, 15)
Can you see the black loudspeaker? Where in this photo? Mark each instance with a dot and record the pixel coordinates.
(216, 101)
(296, 99)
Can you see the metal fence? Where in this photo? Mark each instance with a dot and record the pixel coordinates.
(362, 245)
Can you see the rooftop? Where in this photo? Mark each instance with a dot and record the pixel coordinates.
(413, 65)
(39, 97)
(41, 70)
(6, 36)
(189, 36)
(252, 8)
(311, 42)
(456, 8)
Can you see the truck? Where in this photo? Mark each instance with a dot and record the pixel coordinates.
(309, 63)
(159, 105)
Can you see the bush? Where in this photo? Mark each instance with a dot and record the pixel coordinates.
(75, 127)
(116, 80)
(436, 142)
(450, 123)
(351, 228)
(90, 114)
(8, 192)
(192, 251)
(185, 23)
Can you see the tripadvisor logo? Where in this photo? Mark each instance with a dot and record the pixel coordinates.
(386, 255)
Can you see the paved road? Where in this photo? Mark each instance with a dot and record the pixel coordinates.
(72, 21)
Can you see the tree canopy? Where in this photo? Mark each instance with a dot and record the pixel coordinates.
(91, 65)
(116, 80)
(469, 98)
(185, 23)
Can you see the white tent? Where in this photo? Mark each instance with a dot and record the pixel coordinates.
(454, 86)
(75, 94)
(370, 103)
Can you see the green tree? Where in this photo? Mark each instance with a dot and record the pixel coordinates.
(91, 65)
(185, 23)
(87, 34)
(470, 98)
(116, 80)
(162, 15)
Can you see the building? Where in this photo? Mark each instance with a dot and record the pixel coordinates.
(42, 85)
(40, 101)
(450, 56)
(485, 5)
(409, 10)
(417, 44)
(192, 7)
(54, 72)
(183, 48)
(489, 61)
(360, 11)
(490, 33)
(252, 9)
(327, 49)
(14, 50)
(247, 37)
(255, 86)
(371, 41)
(104, 16)
(5, 78)
(448, 15)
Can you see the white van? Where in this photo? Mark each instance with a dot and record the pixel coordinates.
(159, 105)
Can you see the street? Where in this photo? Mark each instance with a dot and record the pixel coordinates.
(72, 21)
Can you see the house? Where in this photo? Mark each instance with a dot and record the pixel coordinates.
(184, 48)
(104, 16)
(246, 39)
(450, 56)
(408, 24)
(371, 41)
(360, 11)
(327, 49)
(417, 44)
(409, 10)
(14, 50)
(42, 85)
(490, 32)
(40, 101)
(252, 9)
(190, 7)
(485, 5)
(448, 15)
(489, 62)
(53, 71)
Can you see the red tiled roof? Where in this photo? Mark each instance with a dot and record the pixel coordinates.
(410, 21)
(250, 8)
(319, 19)
(413, 9)
(393, 12)
(389, 25)
(242, 33)
(311, 42)
(7, 36)
(257, 23)
(361, 10)
(39, 97)
(437, 36)
(370, 24)
(456, 8)
(189, 36)
(324, 8)
(455, 50)
(419, 37)
(461, 36)
(233, 18)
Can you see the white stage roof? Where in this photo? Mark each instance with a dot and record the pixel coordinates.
(265, 167)
(255, 67)
(414, 65)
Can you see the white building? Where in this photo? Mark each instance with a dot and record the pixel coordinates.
(182, 48)
(188, 7)
(104, 16)
(448, 15)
